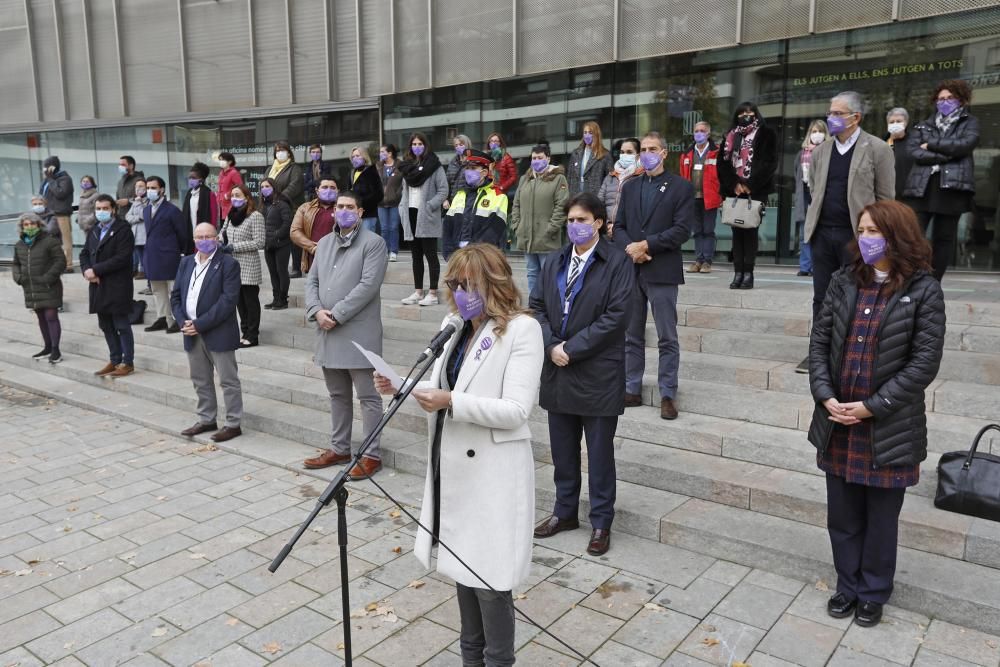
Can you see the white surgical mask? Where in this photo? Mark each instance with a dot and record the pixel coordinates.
(627, 160)
(223, 164)
(281, 156)
(817, 137)
(896, 128)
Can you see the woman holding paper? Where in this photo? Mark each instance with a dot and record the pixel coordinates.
(479, 495)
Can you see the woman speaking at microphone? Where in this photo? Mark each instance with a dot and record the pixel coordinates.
(479, 495)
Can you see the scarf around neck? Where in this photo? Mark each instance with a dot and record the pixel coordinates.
(416, 173)
(277, 167)
(945, 123)
(739, 148)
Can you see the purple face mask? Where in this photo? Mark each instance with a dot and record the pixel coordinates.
(494, 145)
(470, 304)
(539, 164)
(206, 246)
(872, 249)
(87, 185)
(266, 191)
(194, 183)
(460, 150)
(700, 137)
(650, 161)
(947, 107)
(579, 233)
(327, 196)
(588, 139)
(315, 157)
(345, 218)
(836, 124)
(358, 162)
(417, 150)
(238, 202)
(473, 176)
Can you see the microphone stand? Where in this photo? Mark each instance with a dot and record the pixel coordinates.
(338, 492)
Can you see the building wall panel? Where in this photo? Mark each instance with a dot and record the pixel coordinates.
(151, 52)
(217, 53)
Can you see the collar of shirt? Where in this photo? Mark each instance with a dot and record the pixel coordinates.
(105, 226)
(345, 239)
(208, 260)
(843, 147)
(701, 152)
(156, 205)
(586, 255)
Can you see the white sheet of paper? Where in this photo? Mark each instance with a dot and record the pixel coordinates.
(381, 367)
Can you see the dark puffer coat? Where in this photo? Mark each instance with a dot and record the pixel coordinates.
(277, 222)
(37, 269)
(953, 151)
(910, 343)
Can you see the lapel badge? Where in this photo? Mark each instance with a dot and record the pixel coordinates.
(484, 345)
(905, 299)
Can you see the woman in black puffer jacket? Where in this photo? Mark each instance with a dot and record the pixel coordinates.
(277, 211)
(875, 348)
(37, 267)
(942, 182)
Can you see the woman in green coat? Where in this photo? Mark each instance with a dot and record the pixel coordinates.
(38, 265)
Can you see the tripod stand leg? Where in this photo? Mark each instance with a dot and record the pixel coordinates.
(345, 594)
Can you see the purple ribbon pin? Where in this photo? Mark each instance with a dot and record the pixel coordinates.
(484, 345)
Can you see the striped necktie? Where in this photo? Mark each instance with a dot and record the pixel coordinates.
(574, 273)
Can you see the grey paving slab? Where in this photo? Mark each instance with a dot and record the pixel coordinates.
(622, 596)
(800, 641)
(656, 631)
(720, 641)
(288, 632)
(754, 605)
(697, 600)
(893, 639)
(958, 642)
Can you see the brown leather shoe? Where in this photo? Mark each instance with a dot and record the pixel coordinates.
(121, 370)
(633, 400)
(667, 409)
(108, 368)
(553, 524)
(326, 459)
(600, 542)
(706, 268)
(365, 468)
(694, 268)
(198, 429)
(227, 433)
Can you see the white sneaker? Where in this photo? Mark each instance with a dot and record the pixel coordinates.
(429, 300)
(413, 299)
(392, 257)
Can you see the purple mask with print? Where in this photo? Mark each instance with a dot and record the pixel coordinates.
(947, 107)
(206, 246)
(836, 124)
(417, 150)
(872, 249)
(327, 196)
(588, 139)
(650, 161)
(579, 233)
(700, 137)
(470, 304)
(346, 219)
(357, 161)
(539, 164)
(194, 183)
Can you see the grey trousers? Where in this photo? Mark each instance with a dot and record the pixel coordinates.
(487, 638)
(161, 295)
(204, 364)
(663, 299)
(339, 383)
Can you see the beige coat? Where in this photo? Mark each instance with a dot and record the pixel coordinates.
(872, 177)
(487, 468)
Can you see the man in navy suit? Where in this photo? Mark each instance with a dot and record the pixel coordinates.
(655, 216)
(167, 238)
(203, 299)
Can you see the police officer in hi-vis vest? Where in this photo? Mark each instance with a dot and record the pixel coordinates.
(479, 209)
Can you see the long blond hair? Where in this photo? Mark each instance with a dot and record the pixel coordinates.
(597, 148)
(818, 125)
(487, 271)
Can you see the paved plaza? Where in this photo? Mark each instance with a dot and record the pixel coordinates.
(122, 545)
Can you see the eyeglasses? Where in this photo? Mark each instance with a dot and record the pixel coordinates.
(455, 283)
(840, 114)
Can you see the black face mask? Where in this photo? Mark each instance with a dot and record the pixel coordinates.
(744, 121)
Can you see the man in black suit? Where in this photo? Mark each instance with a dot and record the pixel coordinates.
(655, 216)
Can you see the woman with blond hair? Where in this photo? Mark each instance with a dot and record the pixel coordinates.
(479, 493)
(817, 134)
(367, 185)
(243, 236)
(590, 162)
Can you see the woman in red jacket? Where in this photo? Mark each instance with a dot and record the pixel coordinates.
(229, 178)
(505, 171)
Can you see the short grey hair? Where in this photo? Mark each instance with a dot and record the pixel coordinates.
(29, 216)
(898, 111)
(705, 123)
(853, 100)
(657, 136)
(462, 139)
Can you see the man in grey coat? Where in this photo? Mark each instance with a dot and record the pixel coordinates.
(342, 297)
(847, 172)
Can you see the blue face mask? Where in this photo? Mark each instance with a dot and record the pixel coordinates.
(152, 195)
(103, 216)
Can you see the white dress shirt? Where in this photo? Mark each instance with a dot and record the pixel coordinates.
(194, 288)
(195, 196)
(842, 148)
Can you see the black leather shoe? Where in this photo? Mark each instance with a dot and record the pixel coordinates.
(747, 282)
(868, 614)
(269, 306)
(737, 279)
(803, 367)
(600, 542)
(553, 524)
(839, 606)
(158, 325)
(804, 273)
(281, 305)
(198, 429)
(633, 400)
(173, 328)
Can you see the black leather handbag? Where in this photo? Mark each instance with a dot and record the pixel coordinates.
(969, 482)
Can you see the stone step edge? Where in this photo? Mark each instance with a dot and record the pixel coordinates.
(925, 583)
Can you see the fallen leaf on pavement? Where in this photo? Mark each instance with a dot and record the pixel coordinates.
(271, 647)
(247, 478)
(160, 631)
(197, 556)
(203, 663)
(68, 645)
(397, 550)
(161, 497)
(34, 561)
(23, 573)
(233, 622)
(710, 641)
(652, 606)
(395, 514)
(206, 448)
(340, 646)
(520, 596)
(822, 586)
(72, 508)
(415, 584)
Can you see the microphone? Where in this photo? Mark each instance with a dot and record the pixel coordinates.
(437, 343)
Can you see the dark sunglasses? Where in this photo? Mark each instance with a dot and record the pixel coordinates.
(453, 284)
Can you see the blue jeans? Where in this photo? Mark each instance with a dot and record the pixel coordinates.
(118, 334)
(805, 252)
(535, 261)
(371, 224)
(704, 232)
(389, 220)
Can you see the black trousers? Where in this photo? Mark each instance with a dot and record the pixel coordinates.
(943, 239)
(745, 242)
(277, 265)
(296, 259)
(421, 248)
(248, 308)
(565, 433)
(829, 253)
(863, 523)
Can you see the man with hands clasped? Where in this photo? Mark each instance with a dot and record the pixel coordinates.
(342, 297)
(203, 301)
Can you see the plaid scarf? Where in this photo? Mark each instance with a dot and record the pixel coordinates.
(945, 123)
(741, 154)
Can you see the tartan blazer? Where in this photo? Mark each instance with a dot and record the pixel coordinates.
(247, 240)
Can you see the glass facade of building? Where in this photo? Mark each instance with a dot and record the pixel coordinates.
(893, 65)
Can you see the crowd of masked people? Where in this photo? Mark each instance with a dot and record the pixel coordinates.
(602, 240)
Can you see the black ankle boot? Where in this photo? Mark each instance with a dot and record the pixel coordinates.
(747, 282)
(737, 281)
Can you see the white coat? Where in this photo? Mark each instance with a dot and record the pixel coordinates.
(487, 468)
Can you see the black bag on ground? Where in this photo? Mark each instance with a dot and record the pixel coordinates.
(138, 310)
(969, 482)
